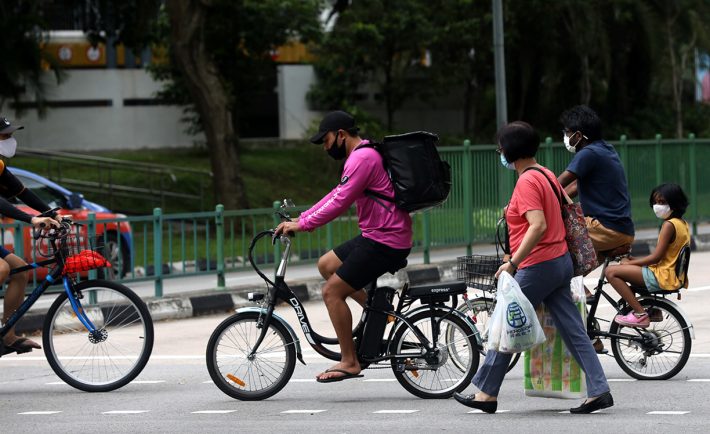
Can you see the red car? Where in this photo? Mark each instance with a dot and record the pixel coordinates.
(117, 235)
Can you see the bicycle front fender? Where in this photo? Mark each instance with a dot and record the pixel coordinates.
(455, 312)
(676, 307)
(279, 318)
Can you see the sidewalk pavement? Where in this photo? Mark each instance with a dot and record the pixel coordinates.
(185, 297)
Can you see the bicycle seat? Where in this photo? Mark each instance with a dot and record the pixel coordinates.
(443, 288)
(398, 266)
(618, 251)
(643, 291)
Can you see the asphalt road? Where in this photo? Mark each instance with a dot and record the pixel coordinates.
(174, 393)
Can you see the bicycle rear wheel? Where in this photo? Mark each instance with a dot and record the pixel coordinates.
(244, 376)
(480, 311)
(435, 375)
(655, 353)
(112, 356)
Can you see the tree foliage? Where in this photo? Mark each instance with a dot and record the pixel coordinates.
(374, 41)
(632, 61)
(23, 61)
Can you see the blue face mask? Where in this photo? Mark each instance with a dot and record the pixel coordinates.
(505, 162)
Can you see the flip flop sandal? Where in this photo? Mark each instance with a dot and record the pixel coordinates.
(20, 346)
(346, 376)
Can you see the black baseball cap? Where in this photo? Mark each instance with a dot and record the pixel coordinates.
(7, 128)
(333, 121)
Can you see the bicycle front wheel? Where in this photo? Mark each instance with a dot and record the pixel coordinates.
(241, 374)
(115, 353)
(479, 310)
(440, 373)
(655, 353)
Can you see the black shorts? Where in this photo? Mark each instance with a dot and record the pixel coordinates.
(365, 260)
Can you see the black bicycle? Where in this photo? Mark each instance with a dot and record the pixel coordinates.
(658, 352)
(97, 335)
(655, 353)
(430, 346)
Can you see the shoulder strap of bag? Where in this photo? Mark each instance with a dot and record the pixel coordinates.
(373, 194)
(558, 194)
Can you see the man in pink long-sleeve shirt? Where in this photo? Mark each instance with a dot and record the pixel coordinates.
(382, 246)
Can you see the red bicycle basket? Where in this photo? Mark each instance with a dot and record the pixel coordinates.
(84, 261)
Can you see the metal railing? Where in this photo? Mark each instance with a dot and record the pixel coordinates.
(155, 184)
(163, 246)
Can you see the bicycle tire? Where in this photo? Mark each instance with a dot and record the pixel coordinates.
(240, 344)
(482, 310)
(452, 380)
(664, 336)
(110, 359)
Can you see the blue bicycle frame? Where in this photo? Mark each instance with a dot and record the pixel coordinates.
(51, 278)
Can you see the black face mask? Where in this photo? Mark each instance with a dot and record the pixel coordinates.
(337, 152)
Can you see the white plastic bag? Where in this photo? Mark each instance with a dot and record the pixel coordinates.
(514, 326)
(576, 285)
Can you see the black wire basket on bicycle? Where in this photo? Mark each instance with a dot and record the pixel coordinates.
(478, 271)
(80, 253)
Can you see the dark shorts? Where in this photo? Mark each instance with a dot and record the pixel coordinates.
(4, 252)
(365, 260)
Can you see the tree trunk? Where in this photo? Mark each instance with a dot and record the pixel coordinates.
(187, 21)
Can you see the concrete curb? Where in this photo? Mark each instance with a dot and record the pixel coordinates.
(207, 302)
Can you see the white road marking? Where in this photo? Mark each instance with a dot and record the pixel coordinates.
(208, 382)
(55, 383)
(302, 411)
(668, 412)
(200, 357)
(39, 413)
(213, 411)
(395, 411)
(380, 380)
(303, 380)
(482, 412)
(620, 380)
(125, 412)
(700, 380)
(147, 381)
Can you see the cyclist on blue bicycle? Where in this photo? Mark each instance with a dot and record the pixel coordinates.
(11, 187)
(383, 245)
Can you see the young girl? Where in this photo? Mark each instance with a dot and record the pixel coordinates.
(657, 271)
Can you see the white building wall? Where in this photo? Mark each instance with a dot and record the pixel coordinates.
(107, 127)
(295, 118)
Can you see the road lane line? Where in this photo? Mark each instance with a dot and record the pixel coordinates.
(55, 383)
(303, 380)
(147, 381)
(395, 411)
(699, 380)
(302, 411)
(213, 411)
(125, 412)
(668, 412)
(39, 413)
(620, 380)
(380, 380)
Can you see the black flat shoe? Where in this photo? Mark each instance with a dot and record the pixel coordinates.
(469, 401)
(604, 400)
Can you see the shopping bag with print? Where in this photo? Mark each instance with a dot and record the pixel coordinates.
(550, 369)
(514, 324)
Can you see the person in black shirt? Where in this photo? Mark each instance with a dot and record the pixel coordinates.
(11, 187)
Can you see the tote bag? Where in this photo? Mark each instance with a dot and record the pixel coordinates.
(550, 369)
(584, 258)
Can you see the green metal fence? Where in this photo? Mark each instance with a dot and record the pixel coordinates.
(163, 246)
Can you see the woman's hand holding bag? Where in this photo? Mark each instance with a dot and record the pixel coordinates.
(514, 326)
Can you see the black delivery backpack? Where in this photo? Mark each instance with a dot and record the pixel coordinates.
(421, 179)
